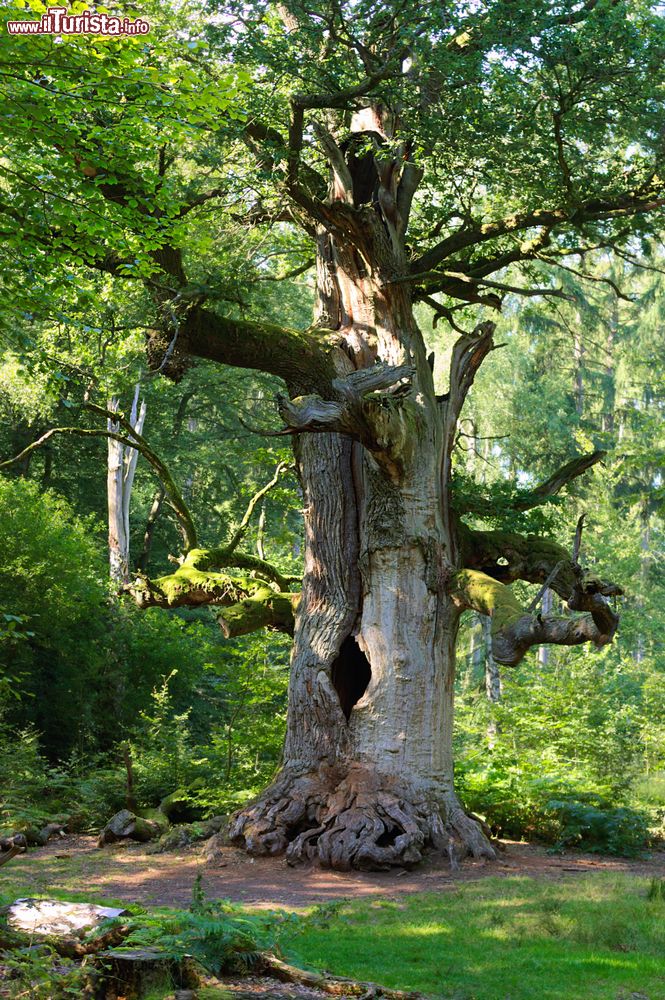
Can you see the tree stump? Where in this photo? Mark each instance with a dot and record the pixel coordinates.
(134, 972)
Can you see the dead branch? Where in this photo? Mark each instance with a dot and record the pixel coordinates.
(576, 467)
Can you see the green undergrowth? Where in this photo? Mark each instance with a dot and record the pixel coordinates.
(222, 937)
(595, 938)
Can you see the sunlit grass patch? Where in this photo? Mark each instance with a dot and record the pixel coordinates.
(499, 939)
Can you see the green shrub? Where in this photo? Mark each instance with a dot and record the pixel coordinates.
(217, 933)
(597, 826)
(556, 809)
(25, 780)
(53, 578)
(41, 974)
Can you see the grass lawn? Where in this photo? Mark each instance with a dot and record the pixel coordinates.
(498, 939)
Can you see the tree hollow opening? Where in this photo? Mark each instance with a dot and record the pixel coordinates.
(350, 674)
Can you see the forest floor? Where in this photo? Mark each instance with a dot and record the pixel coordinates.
(531, 924)
(127, 872)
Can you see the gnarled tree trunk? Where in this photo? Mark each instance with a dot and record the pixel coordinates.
(367, 777)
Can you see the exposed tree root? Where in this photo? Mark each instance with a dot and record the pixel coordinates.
(360, 820)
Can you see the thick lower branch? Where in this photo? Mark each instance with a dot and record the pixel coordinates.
(514, 631)
(507, 556)
(249, 603)
(302, 358)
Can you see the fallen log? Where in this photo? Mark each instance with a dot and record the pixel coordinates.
(66, 947)
(269, 965)
(10, 853)
(336, 985)
(16, 840)
(19, 842)
(38, 838)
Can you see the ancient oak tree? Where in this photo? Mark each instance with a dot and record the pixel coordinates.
(451, 156)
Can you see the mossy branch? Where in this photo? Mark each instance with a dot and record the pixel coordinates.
(249, 603)
(225, 556)
(260, 601)
(494, 559)
(514, 631)
(507, 556)
(263, 609)
(302, 358)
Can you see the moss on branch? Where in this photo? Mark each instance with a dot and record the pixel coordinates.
(507, 556)
(189, 586)
(302, 358)
(488, 597)
(514, 630)
(264, 608)
(250, 602)
(224, 556)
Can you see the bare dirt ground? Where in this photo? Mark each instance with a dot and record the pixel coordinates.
(126, 872)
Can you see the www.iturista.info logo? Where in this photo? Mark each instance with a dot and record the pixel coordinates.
(56, 21)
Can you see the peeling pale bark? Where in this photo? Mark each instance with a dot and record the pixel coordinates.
(547, 608)
(121, 467)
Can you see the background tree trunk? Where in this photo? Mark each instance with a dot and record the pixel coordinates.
(121, 467)
(547, 606)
